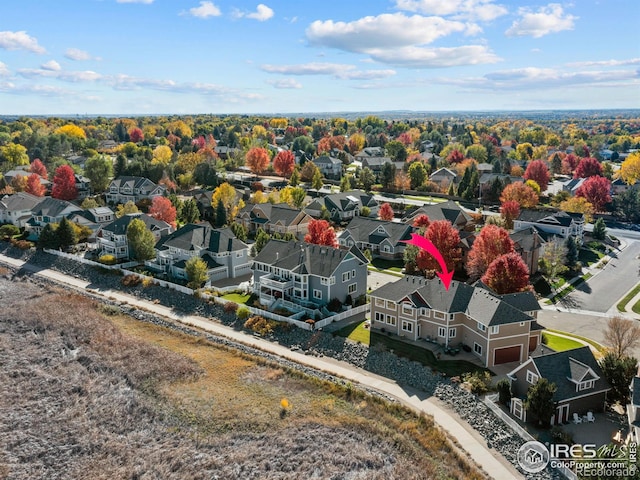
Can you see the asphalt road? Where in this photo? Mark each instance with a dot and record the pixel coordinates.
(602, 292)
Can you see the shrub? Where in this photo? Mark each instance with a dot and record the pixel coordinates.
(242, 313)
(504, 391)
(260, 325)
(107, 260)
(479, 381)
(335, 305)
(8, 231)
(257, 186)
(230, 307)
(110, 310)
(21, 244)
(147, 282)
(131, 280)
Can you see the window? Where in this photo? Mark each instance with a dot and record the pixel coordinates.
(386, 249)
(346, 276)
(391, 320)
(452, 333)
(451, 315)
(477, 348)
(324, 281)
(441, 331)
(407, 309)
(531, 377)
(522, 324)
(438, 315)
(391, 305)
(353, 273)
(495, 329)
(379, 317)
(379, 302)
(481, 327)
(586, 385)
(407, 326)
(352, 288)
(317, 293)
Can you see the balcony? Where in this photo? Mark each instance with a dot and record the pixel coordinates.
(270, 282)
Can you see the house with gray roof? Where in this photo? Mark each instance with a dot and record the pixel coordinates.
(225, 255)
(132, 189)
(444, 177)
(448, 210)
(528, 243)
(581, 386)
(17, 208)
(274, 218)
(308, 275)
(382, 238)
(48, 211)
(93, 219)
(369, 152)
(343, 206)
(112, 237)
(552, 223)
(330, 167)
(497, 328)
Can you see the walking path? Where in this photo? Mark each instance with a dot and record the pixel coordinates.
(492, 462)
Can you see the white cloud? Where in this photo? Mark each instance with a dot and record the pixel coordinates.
(42, 90)
(4, 70)
(20, 41)
(205, 10)
(425, 57)
(382, 31)
(51, 65)
(337, 70)
(261, 14)
(147, 2)
(549, 19)
(79, 55)
(65, 76)
(285, 83)
(606, 63)
(482, 10)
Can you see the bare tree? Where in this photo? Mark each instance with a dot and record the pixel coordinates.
(622, 335)
(554, 258)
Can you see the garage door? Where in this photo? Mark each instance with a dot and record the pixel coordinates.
(533, 343)
(506, 355)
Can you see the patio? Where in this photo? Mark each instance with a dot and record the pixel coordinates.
(600, 432)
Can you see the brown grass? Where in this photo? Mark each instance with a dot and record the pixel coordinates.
(142, 401)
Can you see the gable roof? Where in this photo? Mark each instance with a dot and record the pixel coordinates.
(131, 182)
(53, 207)
(326, 160)
(565, 368)
(444, 171)
(19, 201)
(527, 239)
(275, 213)
(345, 201)
(448, 210)
(306, 258)
(119, 226)
(546, 217)
(364, 229)
(475, 301)
(201, 236)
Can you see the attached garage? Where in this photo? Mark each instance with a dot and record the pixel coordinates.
(507, 354)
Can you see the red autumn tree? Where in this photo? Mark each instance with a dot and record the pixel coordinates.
(510, 210)
(569, 164)
(321, 233)
(34, 185)
(588, 167)
(422, 222)
(326, 144)
(38, 167)
(539, 173)
(507, 274)
(385, 212)
(446, 239)
(596, 190)
(521, 193)
(136, 135)
(456, 156)
(64, 183)
(162, 209)
(492, 242)
(284, 163)
(257, 159)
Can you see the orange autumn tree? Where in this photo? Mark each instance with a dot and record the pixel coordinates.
(321, 233)
(492, 242)
(257, 159)
(283, 163)
(162, 209)
(34, 185)
(385, 212)
(507, 274)
(521, 193)
(447, 240)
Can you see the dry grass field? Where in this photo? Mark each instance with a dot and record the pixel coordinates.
(88, 394)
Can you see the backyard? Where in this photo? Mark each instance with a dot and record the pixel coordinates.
(451, 368)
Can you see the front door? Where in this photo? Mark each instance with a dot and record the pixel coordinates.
(563, 413)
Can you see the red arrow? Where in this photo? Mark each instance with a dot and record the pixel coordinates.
(424, 243)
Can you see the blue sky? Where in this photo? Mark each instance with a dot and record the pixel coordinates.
(236, 56)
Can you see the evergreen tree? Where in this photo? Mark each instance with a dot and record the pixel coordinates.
(48, 238)
(474, 183)
(452, 189)
(221, 214)
(539, 401)
(66, 233)
(294, 181)
(239, 231)
(189, 212)
(345, 183)
(599, 229)
(465, 181)
(121, 165)
(316, 181)
(572, 253)
(388, 175)
(262, 238)
(556, 164)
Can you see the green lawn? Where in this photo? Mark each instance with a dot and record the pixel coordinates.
(567, 290)
(627, 298)
(451, 368)
(589, 256)
(636, 307)
(593, 343)
(426, 199)
(392, 265)
(237, 298)
(559, 344)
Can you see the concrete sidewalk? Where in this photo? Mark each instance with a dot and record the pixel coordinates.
(491, 461)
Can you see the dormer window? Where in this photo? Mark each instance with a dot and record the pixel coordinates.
(586, 385)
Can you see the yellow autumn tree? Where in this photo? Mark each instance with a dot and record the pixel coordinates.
(71, 130)
(162, 155)
(179, 128)
(187, 162)
(278, 122)
(630, 169)
(578, 205)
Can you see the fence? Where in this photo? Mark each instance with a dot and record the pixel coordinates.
(490, 401)
(352, 312)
